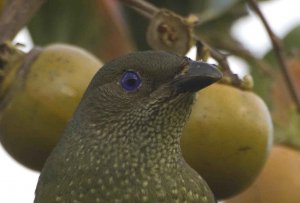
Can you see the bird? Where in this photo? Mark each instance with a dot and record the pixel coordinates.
(123, 142)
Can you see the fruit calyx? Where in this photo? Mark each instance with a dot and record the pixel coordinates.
(246, 83)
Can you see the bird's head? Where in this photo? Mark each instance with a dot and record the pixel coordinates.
(145, 78)
(145, 88)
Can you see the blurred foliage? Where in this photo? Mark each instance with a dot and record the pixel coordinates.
(291, 44)
(274, 91)
(94, 25)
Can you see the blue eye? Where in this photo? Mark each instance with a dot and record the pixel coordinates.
(130, 81)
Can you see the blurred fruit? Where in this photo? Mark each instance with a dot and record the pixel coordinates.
(279, 181)
(1, 5)
(227, 138)
(39, 93)
(284, 112)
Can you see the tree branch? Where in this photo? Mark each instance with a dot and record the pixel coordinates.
(278, 49)
(16, 14)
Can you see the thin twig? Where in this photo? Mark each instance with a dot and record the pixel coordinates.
(16, 14)
(143, 7)
(278, 49)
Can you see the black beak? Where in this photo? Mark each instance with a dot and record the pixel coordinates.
(198, 75)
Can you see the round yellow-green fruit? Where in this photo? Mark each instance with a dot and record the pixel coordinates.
(227, 138)
(279, 182)
(39, 96)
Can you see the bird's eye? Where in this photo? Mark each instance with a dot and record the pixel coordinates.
(131, 81)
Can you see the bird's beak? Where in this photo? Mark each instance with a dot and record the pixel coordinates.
(196, 76)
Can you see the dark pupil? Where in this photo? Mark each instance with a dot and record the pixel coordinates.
(131, 82)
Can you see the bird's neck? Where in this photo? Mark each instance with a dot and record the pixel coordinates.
(148, 136)
(133, 148)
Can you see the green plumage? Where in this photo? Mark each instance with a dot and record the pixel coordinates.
(123, 146)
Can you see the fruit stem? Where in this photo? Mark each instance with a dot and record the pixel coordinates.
(279, 52)
(16, 14)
